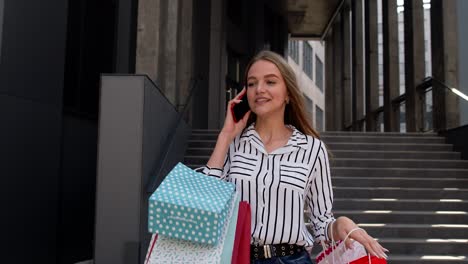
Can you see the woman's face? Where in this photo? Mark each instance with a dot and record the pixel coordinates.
(266, 89)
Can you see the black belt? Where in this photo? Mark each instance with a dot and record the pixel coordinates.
(270, 251)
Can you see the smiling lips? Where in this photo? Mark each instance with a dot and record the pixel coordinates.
(261, 100)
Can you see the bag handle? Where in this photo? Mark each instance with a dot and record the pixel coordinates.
(199, 169)
(352, 230)
(347, 236)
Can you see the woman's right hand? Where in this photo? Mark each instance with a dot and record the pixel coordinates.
(231, 129)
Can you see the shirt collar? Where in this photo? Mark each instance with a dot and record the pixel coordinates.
(297, 140)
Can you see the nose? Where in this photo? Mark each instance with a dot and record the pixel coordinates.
(260, 87)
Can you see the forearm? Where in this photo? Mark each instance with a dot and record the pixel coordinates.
(219, 153)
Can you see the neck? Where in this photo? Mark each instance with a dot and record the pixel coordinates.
(271, 128)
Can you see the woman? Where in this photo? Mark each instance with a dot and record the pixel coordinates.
(280, 167)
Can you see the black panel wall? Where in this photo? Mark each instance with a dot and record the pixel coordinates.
(52, 53)
(31, 84)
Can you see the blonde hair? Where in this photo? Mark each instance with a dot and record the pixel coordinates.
(295, 113)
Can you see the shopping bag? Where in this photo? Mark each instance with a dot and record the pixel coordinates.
(337, 253)
(189, 205)
(241, 251)
(163, 249)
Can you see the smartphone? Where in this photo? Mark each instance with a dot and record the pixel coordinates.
(240, 109)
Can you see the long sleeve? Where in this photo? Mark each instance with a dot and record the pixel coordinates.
(218, 172)
(320, 195)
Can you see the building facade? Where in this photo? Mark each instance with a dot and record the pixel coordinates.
(307, 60)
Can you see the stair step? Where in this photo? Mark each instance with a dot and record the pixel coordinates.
(378, 139)
(447, 231)
(435, 246)
(399, 192)
(407, 217)
(370, 163)
(348, 181)
(400, 172)
(357, 154)
(398, 204)
(377, 134)
(414, 259)
(341, 133)
(377, 154)
(351, 146)
(440, 231)
(388, 146)
(399, 163)
(387, 172)
(384, 154)
(427, 259)
(349, 139)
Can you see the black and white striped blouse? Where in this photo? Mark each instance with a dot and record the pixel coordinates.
(280, 185)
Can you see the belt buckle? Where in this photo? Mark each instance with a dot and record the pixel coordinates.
(267, 251)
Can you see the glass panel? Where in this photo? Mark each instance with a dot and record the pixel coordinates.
(294, 50)
(380, 123)
(319, 73)
(427, 110)
(310, 108)
(307, 59)
(402, 114)
(318, 119)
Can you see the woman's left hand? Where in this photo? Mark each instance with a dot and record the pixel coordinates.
(341, 228)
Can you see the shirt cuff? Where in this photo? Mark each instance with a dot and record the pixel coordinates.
(328, 224)
(215, 172)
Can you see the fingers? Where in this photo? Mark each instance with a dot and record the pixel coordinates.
(372, 246)
(241, 93)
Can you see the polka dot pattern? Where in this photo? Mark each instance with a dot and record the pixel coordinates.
(192, 200)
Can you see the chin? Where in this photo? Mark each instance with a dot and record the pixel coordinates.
(265, 114)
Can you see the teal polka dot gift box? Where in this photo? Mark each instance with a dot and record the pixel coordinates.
(189, 205)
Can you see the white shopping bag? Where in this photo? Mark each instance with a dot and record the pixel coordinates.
(163, 249)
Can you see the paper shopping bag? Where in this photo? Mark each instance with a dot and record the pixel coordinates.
(339, 254)
(163, 249)
(241, 251)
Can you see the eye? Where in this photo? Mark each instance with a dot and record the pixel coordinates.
(250, 84)
(271, 83)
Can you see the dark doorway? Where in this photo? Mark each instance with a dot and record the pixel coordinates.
(90, 51)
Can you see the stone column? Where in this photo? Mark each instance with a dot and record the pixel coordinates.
(444, 41)
(414, 63)
(371, 64)
(461, 32)
(390, 63)
(148, 38)
(167, 57)
(217, 66)
(184, 52)
(358, 63)
(338, 75)
(346, 98)
(330, 78)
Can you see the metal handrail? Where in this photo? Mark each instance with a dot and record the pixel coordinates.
(428, 83)
(425, 86)
(162, 159)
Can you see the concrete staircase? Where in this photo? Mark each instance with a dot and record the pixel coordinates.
(410, 191)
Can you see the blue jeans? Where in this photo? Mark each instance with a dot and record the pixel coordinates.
(299, 258)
